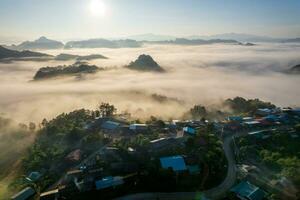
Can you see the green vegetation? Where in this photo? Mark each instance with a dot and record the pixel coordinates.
(55, 140)
(204, 150)
(240, 105)
(145, 63)
(15, 139)
(7, 53)
(75, 69)
(106, 110)
(64, 57)
(198, 111)
(280, 153)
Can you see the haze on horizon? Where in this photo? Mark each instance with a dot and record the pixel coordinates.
(82, 19)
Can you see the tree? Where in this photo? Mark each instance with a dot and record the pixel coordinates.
(75, 134)
(107, 110)
(23, 126)
(241, 105)
(97, 113)
(32, 126)
(156, 122)
(44, 122)
(198, 111)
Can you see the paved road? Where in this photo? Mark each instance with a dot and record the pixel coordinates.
(214, 193)
(228, 182)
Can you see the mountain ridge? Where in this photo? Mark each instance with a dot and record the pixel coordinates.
(8, 54)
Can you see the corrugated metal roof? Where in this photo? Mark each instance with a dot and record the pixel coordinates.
(175, 162)
(189, 130)
(246, 189)
(24, 194)
(110, 125)
(34, 176)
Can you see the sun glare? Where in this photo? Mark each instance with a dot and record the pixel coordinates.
(97, 8)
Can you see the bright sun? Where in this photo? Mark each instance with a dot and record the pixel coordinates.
(97, 8)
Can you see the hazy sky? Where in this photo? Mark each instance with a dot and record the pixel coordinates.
(72, 19)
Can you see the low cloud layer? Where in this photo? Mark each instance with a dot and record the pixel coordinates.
(203, 74)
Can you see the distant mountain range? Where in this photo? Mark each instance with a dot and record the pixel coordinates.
(183, 41)
(13, 54)
(138, 40)
(294, 40)
(226, 36)
(240, 37)
(7, 55)
(150, 37)
(41, 43)
(103, 43)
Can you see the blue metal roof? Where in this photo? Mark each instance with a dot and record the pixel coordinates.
(235, 118)
(246, 189)
(110, 125)
(24, 194)
(34, 176)
(189, 130)
(175, 162)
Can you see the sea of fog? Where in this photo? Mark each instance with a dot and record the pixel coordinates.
(205, 74)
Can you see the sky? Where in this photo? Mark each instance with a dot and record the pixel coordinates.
(79, 19)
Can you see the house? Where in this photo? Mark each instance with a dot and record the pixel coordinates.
(189, 130)
(138, 127)
(179, 123)
(76, 172)
(162, 143)
(235, 119)
(247, 119)
(264, 111)
(176, 163)
(246, 191)
(108, 182)
(110, 125)
(34, 176)
(252, 124)
(264, 134)
(25, 194)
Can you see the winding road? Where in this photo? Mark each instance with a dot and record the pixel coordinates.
(214, 193)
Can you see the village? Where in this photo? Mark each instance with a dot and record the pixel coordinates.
(164, 156)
